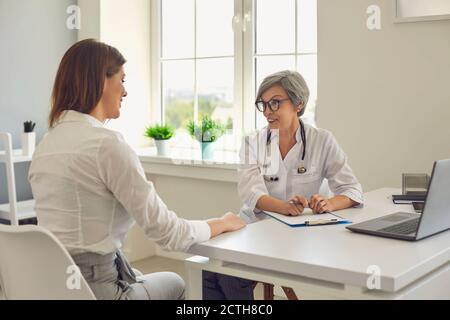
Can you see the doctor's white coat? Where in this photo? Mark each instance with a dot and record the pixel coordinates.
(327, 170)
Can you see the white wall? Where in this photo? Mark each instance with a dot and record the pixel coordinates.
(90, 19)
(126, 26)
(195, 198)
(33, 39)
(191, 199)
(384, 94)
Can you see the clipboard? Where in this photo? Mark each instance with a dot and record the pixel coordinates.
(308, 219)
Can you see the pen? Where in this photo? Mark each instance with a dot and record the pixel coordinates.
(321, 222)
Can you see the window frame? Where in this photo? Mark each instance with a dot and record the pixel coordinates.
(245, 59)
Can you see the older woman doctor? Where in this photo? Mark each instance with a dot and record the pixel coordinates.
(284, 167)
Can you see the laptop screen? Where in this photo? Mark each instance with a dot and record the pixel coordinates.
(436, 213)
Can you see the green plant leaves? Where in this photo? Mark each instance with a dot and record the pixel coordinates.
(208, 130)
(159, 132)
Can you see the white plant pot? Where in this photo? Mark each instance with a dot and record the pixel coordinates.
(28, 143)
(162, 147)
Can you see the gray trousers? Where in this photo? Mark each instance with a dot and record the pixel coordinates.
(111, 277)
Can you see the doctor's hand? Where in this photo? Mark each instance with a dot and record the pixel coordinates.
(295, 206)
(320, 204)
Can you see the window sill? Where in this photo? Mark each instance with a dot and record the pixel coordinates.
(187, 163)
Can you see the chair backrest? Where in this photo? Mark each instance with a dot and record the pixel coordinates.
(35, 265)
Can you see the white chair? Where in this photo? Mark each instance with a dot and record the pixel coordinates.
(14, 211)
(35, 265)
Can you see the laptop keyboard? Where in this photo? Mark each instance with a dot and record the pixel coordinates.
(406, 227)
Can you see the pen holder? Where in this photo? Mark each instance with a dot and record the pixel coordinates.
(28, 143)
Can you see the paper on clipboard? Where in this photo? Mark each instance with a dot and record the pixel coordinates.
(308, 215)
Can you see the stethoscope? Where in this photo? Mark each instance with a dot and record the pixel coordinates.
(301, 169)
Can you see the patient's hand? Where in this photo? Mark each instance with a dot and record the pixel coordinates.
(233, 222)
(228, 222)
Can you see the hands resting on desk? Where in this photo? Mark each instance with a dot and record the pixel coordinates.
(317, 203)
(297, 204)
(228, 222)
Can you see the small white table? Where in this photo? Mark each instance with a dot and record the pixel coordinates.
(330, 261)
(14, 211)
(16, 155)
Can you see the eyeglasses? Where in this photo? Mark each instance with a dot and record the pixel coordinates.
(273, 104)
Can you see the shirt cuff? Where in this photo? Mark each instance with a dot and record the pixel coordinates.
(202, 231)
(251, 204)
(355, 197)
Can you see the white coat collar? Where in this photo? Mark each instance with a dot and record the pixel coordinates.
(275, 133)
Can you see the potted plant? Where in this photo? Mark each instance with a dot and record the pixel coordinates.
(161, 133)
(206, 133)
(28, 138)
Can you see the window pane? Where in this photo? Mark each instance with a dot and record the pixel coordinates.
(275, 26)
(215, 89)
(307, 26)
(177, 37)
(271, 64)
(307, 66)
(264, 67)
(214, 31)
(178, 92)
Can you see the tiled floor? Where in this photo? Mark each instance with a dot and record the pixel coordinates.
(157, 263)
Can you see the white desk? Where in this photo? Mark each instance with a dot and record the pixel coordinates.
(329, 261)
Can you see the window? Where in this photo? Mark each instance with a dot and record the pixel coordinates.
(209, 56)
(285, 37)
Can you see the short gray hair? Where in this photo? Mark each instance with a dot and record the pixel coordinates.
(292, 82)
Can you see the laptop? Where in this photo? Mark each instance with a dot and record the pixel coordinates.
(435, 216)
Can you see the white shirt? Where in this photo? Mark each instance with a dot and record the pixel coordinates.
(90, 188)
(324, 162)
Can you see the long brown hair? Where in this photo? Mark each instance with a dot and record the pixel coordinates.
(81, 76)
